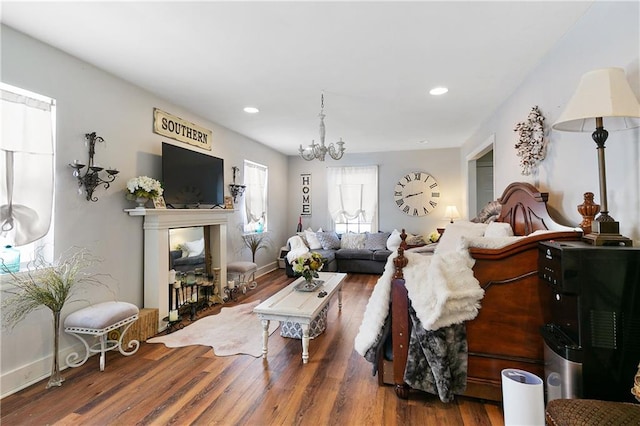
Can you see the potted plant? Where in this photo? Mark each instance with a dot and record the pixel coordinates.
(50, 286)
(255, 242)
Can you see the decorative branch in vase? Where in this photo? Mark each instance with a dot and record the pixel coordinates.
(50, 286)
(255, 242)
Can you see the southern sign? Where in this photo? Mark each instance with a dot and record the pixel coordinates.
(181, 130)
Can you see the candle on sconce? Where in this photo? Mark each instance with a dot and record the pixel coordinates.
(173, 315)
(231, 284)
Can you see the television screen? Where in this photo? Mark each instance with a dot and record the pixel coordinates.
(191, 178)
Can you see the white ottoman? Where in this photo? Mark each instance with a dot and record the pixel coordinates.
(243, 270)
(97, 321)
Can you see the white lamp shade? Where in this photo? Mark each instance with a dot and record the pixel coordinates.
(601, 93)
(451, 212)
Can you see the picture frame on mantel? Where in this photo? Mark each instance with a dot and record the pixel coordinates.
(158, 202)
(228, 202)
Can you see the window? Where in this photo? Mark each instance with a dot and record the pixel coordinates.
(27, 146)
(255, 198)
(352, 194)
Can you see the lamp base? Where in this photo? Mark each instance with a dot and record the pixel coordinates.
(606, 234)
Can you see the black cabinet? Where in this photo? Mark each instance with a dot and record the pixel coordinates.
(593, 316)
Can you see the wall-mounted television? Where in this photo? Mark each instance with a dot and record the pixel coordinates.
(190, 178)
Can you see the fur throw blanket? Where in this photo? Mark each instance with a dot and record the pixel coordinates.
(443, 293)
(442, 289)
(297, 248)
(438, 359)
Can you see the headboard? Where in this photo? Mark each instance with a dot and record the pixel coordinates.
(525, 209)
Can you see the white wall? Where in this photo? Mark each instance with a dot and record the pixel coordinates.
(442, 164)
(607, 36)
(89, 99)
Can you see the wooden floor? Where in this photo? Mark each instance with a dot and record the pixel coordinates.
(183, 386)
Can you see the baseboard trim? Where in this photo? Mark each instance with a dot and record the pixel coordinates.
(29, 374)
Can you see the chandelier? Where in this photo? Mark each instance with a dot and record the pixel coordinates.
(314, 150)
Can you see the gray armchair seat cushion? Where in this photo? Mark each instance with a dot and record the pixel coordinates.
(381, 255)
(362, 254)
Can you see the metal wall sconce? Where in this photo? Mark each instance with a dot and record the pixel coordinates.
(236, 190)
(91, 177)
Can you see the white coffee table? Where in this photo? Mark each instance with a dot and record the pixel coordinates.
(302, 307)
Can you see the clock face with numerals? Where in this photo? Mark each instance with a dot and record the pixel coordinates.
(417, 194)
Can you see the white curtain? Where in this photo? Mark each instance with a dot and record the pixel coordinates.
(255, 198)
(27, 172)
(352, 194)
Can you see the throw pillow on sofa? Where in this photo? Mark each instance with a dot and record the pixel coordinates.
(394, 240)
(352, 240)
(376, 241)
(328, 240)
(415, 240)
(312, 239)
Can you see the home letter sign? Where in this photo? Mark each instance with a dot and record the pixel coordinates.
(176, 128)
(305, 180)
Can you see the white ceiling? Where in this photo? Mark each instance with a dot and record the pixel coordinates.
(375, 61)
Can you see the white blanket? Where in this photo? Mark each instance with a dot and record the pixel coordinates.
(442, 290)
(297, 247)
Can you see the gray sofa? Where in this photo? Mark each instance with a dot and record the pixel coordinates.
(362, 261)
(370, 259)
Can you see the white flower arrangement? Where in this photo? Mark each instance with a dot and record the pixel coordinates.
(308, 265)
(143, 186)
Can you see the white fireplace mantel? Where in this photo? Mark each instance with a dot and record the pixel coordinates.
(157, 223)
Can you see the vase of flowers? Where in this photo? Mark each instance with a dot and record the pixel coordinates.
(142, 189)
(50, 286)
(308, 265)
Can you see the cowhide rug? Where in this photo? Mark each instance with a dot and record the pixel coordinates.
(235, 330)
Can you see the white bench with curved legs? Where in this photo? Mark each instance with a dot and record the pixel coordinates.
(99, 321)
(245, 271)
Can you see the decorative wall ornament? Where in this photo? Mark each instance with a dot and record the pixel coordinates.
(236, 190)
(305, 189)
(91, 178)
(531, 144)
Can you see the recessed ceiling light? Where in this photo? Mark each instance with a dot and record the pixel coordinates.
(438, 91)
(251, 110)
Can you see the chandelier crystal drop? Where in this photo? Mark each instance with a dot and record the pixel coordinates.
(319, 151)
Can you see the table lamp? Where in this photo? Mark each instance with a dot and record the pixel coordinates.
(451, 212)
(603, 97)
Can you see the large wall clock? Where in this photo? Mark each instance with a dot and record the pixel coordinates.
(417, 194)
